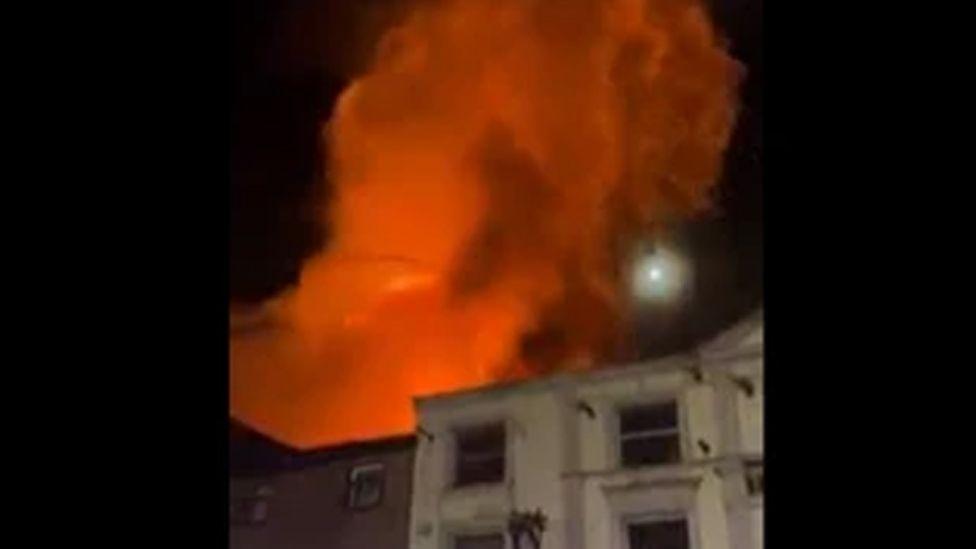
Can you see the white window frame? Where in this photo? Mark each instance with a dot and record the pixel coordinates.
(659, 516)
(450, 475)
(650, 400)
(357, 470)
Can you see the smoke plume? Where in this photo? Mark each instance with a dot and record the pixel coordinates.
(490, 173)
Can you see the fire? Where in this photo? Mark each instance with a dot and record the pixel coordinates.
(490, 171)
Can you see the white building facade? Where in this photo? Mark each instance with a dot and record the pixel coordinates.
(664, 454)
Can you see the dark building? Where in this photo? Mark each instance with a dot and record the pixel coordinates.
(355, 496)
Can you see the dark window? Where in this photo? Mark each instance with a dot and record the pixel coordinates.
(480, 455)
(665, 534)
(365, 486)
(486, 541)
(649, 434)
(248, 511)
(754, 478)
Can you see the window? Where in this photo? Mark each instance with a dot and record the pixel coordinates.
(754, 478)
(365, 486)
(649, 435)
(661, 534)
(484, 541)
(480, 455)
(248, 511)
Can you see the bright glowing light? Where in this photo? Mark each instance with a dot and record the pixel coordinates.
(660, 276)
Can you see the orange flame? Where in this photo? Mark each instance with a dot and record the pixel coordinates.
(490, 170)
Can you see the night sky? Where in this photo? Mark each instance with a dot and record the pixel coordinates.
(291, 58)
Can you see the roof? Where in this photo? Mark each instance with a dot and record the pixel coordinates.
(254, 454)
(744, 337)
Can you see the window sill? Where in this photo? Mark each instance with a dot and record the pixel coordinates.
(475, 488)
(682, 469)
(675, 474)
(484, 492)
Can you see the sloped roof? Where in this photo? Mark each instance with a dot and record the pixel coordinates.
(742, 337)
(251, 453)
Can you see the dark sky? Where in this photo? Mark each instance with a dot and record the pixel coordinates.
(291, 58)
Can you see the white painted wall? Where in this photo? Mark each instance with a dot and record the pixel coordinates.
(564, 462)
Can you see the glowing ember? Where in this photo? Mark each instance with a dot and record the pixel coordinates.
(490, 170)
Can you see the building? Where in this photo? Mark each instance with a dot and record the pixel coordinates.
(349, 497)
(665, 455)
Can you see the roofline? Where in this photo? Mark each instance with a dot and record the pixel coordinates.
(697, 356)
(383, 443)
(736, 331)
(293, 459)
(291, 449)
(670, 363)
(259, 436)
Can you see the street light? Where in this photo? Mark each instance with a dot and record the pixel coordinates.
(660, 275)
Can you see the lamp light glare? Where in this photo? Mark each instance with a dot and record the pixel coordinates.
(660, 276)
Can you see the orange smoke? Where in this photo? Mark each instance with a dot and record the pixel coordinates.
(491, 171)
